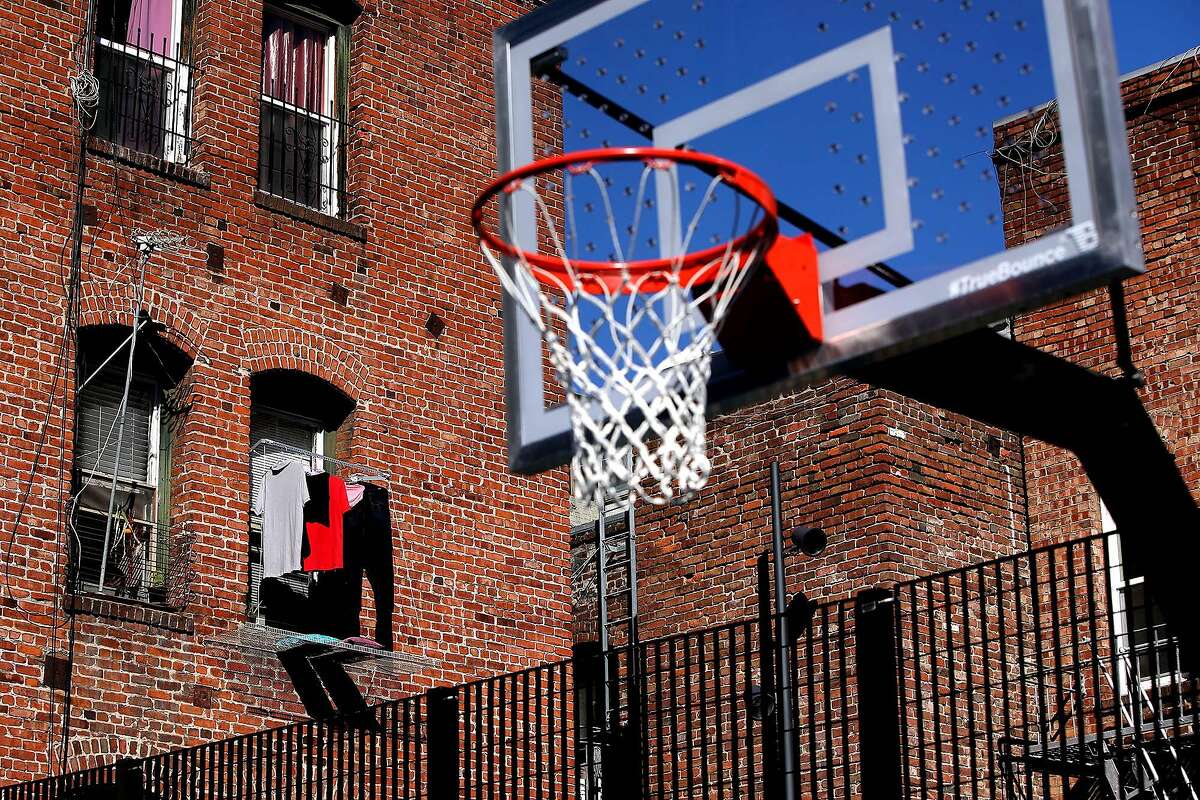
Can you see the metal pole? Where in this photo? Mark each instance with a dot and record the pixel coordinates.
(631, 548)
(443, 737)
(136, 308)
(782, 642)
(602, 591)
(878, 694)
(767, 667)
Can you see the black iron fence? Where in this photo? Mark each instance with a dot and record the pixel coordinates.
(1031, 676)
(103, 780)
(1039, 675)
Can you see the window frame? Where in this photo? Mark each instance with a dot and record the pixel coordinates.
(1129, 651)
(177, 117)
(329, 192)
(154, 439)
(156, 516)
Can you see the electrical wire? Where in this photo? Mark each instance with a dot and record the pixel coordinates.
(86, 91)
(23, 505)
(1194, 56)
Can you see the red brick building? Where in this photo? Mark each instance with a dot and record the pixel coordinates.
(326, 293)
(1162, 107)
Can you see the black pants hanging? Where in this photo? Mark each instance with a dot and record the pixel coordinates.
(366, 550)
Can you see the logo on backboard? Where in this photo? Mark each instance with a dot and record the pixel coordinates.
(1084, 237)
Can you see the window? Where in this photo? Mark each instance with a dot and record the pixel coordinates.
(294, 416)
(143, 51)
(301, 140)
(270, 427)
(133, 554)
(1146, 651)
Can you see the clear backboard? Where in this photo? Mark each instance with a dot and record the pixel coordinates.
(896, 132)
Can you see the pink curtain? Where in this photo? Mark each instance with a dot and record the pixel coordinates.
(293, 64)
(149, 26)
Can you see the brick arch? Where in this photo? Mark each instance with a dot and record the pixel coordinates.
(108, 303)
(93, 750)
(291, 348)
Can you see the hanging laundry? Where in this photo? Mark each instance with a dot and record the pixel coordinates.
(317, 508)
(284, 606)
(280, 505)
(323, 522)
(367, 548)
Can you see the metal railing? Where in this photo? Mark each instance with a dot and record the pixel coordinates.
(1001, 680)
(302, 155)
(147, 562)
(683, 715)
(145, 98)
(79, 784)
(1015, 682)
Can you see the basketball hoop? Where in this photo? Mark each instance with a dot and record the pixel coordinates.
(630, 340)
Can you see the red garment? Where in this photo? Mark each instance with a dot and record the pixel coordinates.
(325, 541)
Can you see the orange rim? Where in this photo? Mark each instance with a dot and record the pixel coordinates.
(609, 273)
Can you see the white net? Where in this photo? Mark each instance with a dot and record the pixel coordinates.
(631, 342)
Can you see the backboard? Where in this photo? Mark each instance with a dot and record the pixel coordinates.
(883, 128)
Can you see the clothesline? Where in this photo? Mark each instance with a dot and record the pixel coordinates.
(334, 528)
(356, 472)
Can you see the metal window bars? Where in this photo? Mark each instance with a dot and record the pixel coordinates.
(145, 91)
(147, 562)
(302, 155)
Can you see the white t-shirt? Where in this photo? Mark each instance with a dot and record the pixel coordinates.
(281, 506)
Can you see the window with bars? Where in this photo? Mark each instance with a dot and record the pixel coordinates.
(122, 462)
(302, 131)
(143, 67)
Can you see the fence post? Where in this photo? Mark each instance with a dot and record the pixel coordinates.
(129, 779)
(878, 699)
(443, 736)
(766, 688)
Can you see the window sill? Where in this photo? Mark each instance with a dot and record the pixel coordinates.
(107, 607)
(160, 166)
(309, 215)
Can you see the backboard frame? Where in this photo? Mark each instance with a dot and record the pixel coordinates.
(1102, 243)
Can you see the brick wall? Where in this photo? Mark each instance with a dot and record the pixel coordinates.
(1163, 305)
(900, 488)
(480, 556)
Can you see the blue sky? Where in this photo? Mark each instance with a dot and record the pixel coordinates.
(962, 65)
(1152, 30)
